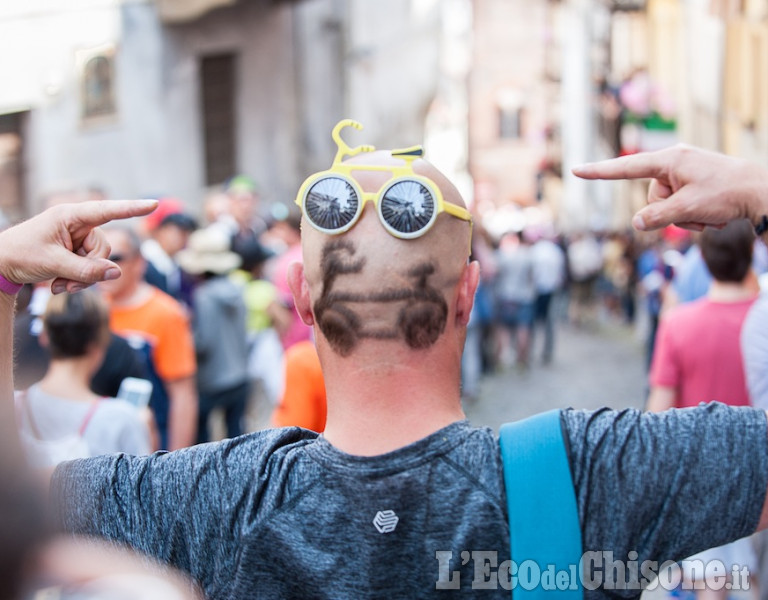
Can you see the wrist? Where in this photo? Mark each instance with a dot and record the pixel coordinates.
(9, 287)
(8, 284)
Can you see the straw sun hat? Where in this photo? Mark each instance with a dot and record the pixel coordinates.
(208, 251)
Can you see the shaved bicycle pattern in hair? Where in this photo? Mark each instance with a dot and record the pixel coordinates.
(423, 318)
(338, 323)
(420, 321)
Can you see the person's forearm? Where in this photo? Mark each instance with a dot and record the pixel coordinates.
(661, 399)
(63, 244)
(182, 420)
(8, 432)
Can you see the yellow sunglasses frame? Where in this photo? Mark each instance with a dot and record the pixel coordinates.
(342, 171)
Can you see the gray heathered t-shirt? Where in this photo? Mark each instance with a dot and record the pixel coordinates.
(283, 514)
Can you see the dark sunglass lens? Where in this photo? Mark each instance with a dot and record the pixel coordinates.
(331, 203)
(407, 206)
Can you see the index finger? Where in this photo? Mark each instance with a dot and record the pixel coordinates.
(99, 212)
(645, 165)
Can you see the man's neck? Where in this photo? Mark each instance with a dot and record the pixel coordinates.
(132, 296)
(69, 379)
(374, 411)
(728, 291)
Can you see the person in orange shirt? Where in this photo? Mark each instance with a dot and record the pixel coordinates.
(158, 327)
(303, 401)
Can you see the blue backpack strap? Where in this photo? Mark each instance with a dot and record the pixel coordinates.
(543, 516)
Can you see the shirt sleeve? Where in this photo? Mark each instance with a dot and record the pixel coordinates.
(754, 351)
(153, 504)
(189, 508)
(667, 485)
(665, 366)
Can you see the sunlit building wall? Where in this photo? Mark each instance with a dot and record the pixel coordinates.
(508, 109)
(173, 97)
(709, 59)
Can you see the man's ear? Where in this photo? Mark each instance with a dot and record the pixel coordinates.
(466, 297)
(300, 290)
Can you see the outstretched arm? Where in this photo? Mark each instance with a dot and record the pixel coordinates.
(64, 244)
(689, 187)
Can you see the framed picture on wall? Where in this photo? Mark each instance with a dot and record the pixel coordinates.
(98, 97)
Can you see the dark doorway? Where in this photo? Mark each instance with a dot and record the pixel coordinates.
(217, 81)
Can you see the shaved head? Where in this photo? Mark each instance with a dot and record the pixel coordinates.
(367, 284)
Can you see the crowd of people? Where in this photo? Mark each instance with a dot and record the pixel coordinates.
(204, 315)
(203, 312)
(388, 298)
(201, 320)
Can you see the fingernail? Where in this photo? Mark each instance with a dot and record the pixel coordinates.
(59, 288)
(111, 273)
(77, 287)
(638, 223)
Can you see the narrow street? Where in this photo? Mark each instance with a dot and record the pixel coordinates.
(592, 368)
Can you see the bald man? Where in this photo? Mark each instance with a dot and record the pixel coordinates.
(401, 497)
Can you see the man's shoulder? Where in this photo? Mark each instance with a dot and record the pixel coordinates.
(697, 312)
(231, 459)
(156, 303)
(260, 446)
(159, 312)
(687, 313)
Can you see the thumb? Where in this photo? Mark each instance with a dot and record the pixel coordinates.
(653, 217)
(665, 209)
(77, 272)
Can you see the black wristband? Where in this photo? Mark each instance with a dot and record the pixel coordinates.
(762, 226)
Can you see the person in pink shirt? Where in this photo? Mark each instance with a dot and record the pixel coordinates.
(698, 356)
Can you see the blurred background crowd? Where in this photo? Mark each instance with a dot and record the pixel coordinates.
(223, 337)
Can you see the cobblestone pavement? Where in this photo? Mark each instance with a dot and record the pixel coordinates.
(592, 368)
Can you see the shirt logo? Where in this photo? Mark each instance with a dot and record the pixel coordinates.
(385, 521)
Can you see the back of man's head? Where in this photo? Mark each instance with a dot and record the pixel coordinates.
(366, 284)
(727, 252)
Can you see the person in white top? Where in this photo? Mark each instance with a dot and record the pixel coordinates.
(60, 417)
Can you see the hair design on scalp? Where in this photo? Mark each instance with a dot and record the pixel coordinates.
(423, 318)
(420, 321)
(339, 323)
